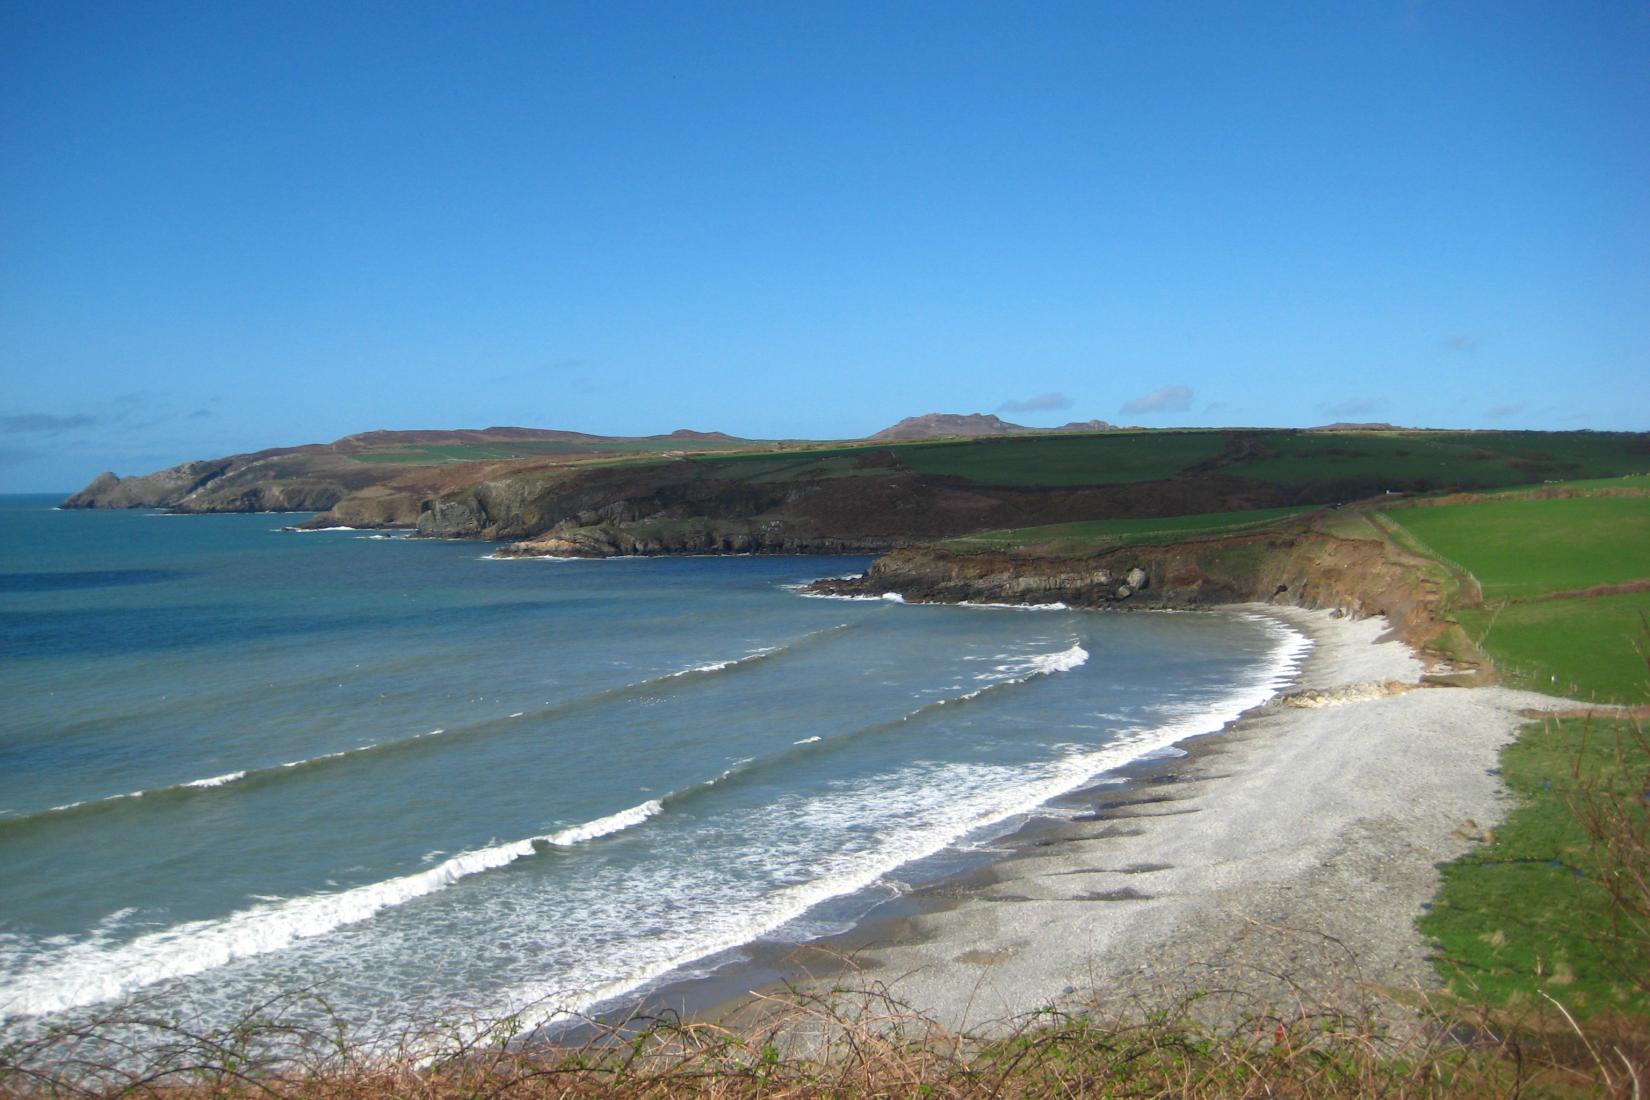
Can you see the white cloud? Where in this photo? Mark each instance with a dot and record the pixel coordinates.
(1043, 402)
(1164, 399)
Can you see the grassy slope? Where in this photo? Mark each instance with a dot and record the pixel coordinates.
(1528, 914)
(1466, 459)
(1520, 549)
(1119, 532)
(1311, 461)
(971, 485)
(1529, 547)
(1584, 648)
(1107, 459)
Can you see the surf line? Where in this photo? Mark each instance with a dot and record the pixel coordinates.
(260, 775)
(84, 974)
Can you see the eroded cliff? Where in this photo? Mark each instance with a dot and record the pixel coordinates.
(1304, 566)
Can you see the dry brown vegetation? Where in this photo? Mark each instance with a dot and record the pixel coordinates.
(837, 1044)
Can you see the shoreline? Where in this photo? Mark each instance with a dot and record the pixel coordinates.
(1276, 865)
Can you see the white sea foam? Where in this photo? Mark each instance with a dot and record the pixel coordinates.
(496, 556)
(806, 741)
(983, 804)
(324, 756)
(216, 780)
(90, 972)
(199, 784)
(603, 826)
(835, 596)
(1019, 669)
(632, 962)
(718, 666)
(892, 597)
(1055, 606)
(368, 747)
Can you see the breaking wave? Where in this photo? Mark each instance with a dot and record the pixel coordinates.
(88, 973)
(259, 775)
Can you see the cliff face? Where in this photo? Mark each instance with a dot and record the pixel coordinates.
(690, 537)
(1303, 568)
(157, 490)
(688, 507)
(288, 479)
(658, 510)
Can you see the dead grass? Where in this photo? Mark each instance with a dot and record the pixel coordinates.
(833, 1044)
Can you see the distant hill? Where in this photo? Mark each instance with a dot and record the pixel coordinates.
(316, 476)
(572, 494)
(702, 437)
(439, 437)
(948, 425)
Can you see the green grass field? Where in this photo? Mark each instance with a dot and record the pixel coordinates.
(1527, 913)
(1399, 460)
(1126, 531)
(1319, 464)
(764, 466)
(1522, 548)
(1062, 460)
(1639, 483)
(1110, 459)
(1583, 648)
(1472, 460)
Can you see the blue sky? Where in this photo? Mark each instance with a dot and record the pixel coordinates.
(230, 226)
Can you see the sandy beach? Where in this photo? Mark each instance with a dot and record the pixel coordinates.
(1277, 865)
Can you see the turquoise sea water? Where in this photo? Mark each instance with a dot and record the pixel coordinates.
(235, 759)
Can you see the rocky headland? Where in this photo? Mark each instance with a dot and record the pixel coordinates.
(1299, 565)
(378, 478)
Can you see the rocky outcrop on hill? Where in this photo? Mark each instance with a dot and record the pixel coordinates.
(941, 425)
(689, 435)
(947, 425)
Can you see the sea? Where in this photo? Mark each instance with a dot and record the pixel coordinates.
(423, 783)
